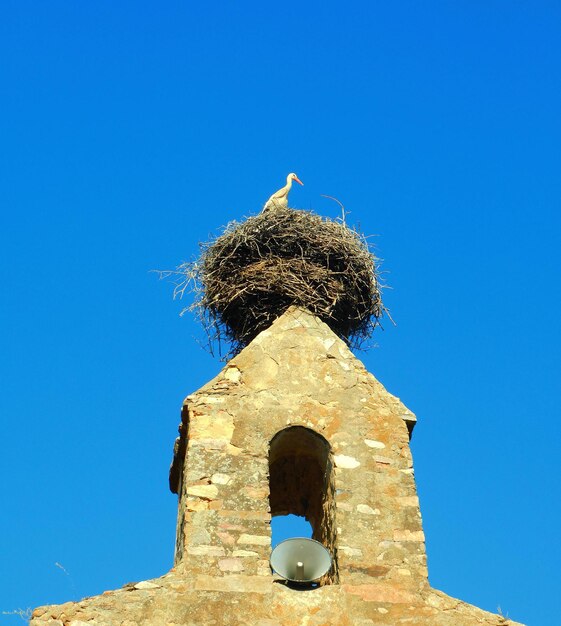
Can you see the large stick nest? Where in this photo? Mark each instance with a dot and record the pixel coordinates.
(256, 269)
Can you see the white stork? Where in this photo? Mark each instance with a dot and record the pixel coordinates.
(279, 200)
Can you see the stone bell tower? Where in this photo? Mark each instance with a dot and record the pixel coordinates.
(293, 424)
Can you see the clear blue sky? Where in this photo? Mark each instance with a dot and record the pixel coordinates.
(131, 131)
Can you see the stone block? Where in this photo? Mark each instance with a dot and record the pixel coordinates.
(146, 584)
(233, 583)
(205, 550)
(345, 462)
(203, 491)
(244, 553)
(230, 565)
(408, 535)
(258, 540)
(383, 593)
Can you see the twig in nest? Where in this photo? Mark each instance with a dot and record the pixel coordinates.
(343, 212)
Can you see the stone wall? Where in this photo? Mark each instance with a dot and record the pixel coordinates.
(296, 424)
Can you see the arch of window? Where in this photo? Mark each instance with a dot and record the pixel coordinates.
(302, 482)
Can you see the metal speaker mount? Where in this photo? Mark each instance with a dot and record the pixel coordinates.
(300, 560)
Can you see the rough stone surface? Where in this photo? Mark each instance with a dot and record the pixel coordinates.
(243, 455)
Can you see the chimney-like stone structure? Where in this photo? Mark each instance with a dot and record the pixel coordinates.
(346, 456)
(293, 424)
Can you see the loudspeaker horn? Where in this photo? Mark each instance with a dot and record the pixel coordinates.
(300, 560)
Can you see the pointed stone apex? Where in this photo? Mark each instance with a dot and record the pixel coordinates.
(296, 317)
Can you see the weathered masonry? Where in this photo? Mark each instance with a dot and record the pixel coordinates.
(293, 424)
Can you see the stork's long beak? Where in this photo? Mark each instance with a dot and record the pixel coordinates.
(298, 180)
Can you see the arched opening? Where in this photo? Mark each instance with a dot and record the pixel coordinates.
(302, 483)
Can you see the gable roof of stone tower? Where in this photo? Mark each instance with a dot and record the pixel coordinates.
(298, 356)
